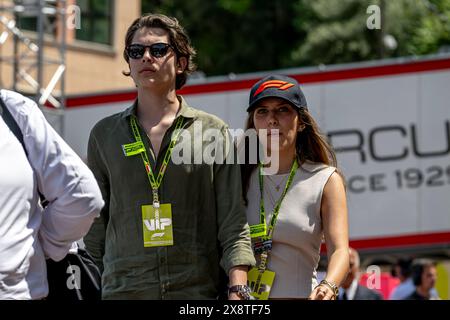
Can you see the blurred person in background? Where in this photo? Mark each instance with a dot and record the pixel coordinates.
(403, 271)
(351, 289)
(424, 276)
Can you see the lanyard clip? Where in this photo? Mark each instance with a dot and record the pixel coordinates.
(155, 198)
(263, 262)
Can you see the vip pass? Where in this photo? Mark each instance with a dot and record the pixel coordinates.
(156, 218)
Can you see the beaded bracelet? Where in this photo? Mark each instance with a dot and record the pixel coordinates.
(332, 286)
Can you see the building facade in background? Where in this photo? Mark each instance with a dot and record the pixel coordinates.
(94, 61)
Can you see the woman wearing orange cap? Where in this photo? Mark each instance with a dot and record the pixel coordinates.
(294, 202)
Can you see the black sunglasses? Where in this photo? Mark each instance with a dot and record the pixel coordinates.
(157, 50)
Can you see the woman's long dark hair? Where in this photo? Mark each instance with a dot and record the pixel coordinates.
(311, 145)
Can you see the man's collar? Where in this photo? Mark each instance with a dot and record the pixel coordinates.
(130, 110)
(185, 110)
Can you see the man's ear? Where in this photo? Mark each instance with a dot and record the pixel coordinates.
(181, 65)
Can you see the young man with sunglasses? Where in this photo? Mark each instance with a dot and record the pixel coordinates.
(167, 229)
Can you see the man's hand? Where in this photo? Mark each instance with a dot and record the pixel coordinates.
(234, 296)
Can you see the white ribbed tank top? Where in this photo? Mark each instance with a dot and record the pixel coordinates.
(298, 232)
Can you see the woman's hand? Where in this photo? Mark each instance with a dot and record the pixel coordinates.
(322, 292)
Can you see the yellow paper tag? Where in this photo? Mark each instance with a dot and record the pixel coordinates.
(260, 283)
(157, 225)
(132, 149)
(258, 230)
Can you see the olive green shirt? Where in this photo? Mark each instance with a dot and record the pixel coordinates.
(210, 229)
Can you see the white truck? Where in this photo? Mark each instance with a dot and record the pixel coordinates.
(389, 122)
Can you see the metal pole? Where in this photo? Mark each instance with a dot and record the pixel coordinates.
(382, 30)
(40, 41)
(62, 50)
(15, 57)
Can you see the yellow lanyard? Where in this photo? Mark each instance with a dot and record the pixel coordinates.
(156, 182)
(262, 216)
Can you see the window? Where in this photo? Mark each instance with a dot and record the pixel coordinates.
(27, 19)
(96, 21)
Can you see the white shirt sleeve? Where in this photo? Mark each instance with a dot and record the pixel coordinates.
(62, 177)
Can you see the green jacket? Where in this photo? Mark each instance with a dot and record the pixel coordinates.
(210, 229)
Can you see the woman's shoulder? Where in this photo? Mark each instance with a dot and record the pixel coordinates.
(314, 167)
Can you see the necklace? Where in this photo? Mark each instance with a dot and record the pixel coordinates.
(271, 197)
(277, 185)
(272, 191)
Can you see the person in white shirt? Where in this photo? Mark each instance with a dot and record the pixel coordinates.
(28, 233)
(406, 286)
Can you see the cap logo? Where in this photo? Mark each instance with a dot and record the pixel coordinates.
(281, 85)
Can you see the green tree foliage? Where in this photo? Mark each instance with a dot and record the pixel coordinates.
(235, 36)
(433, 33)
(336, 32)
